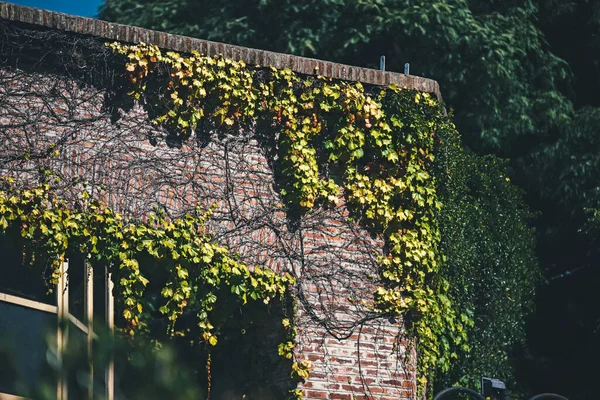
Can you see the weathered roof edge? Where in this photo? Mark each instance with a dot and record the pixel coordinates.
(132, 34)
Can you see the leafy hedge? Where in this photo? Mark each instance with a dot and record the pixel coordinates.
(491, 266)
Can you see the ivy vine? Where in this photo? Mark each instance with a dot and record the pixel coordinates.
(201, 267)
(374, 147)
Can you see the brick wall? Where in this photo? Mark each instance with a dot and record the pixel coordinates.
(353, 352)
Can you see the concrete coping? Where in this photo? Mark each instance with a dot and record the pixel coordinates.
(132, 34)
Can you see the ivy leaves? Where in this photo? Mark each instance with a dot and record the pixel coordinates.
(380, 144)
(200, 269)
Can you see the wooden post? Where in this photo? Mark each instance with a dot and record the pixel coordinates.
(110, 322)
(62, 303)
(89, 311)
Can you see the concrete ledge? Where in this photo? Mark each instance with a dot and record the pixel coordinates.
(132, 34)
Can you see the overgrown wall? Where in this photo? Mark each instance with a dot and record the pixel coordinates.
(58, 114)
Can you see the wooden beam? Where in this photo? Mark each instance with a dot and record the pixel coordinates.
(20, 301)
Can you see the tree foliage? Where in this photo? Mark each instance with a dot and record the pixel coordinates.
(563, 179)
(572, 29)
(490, 251)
